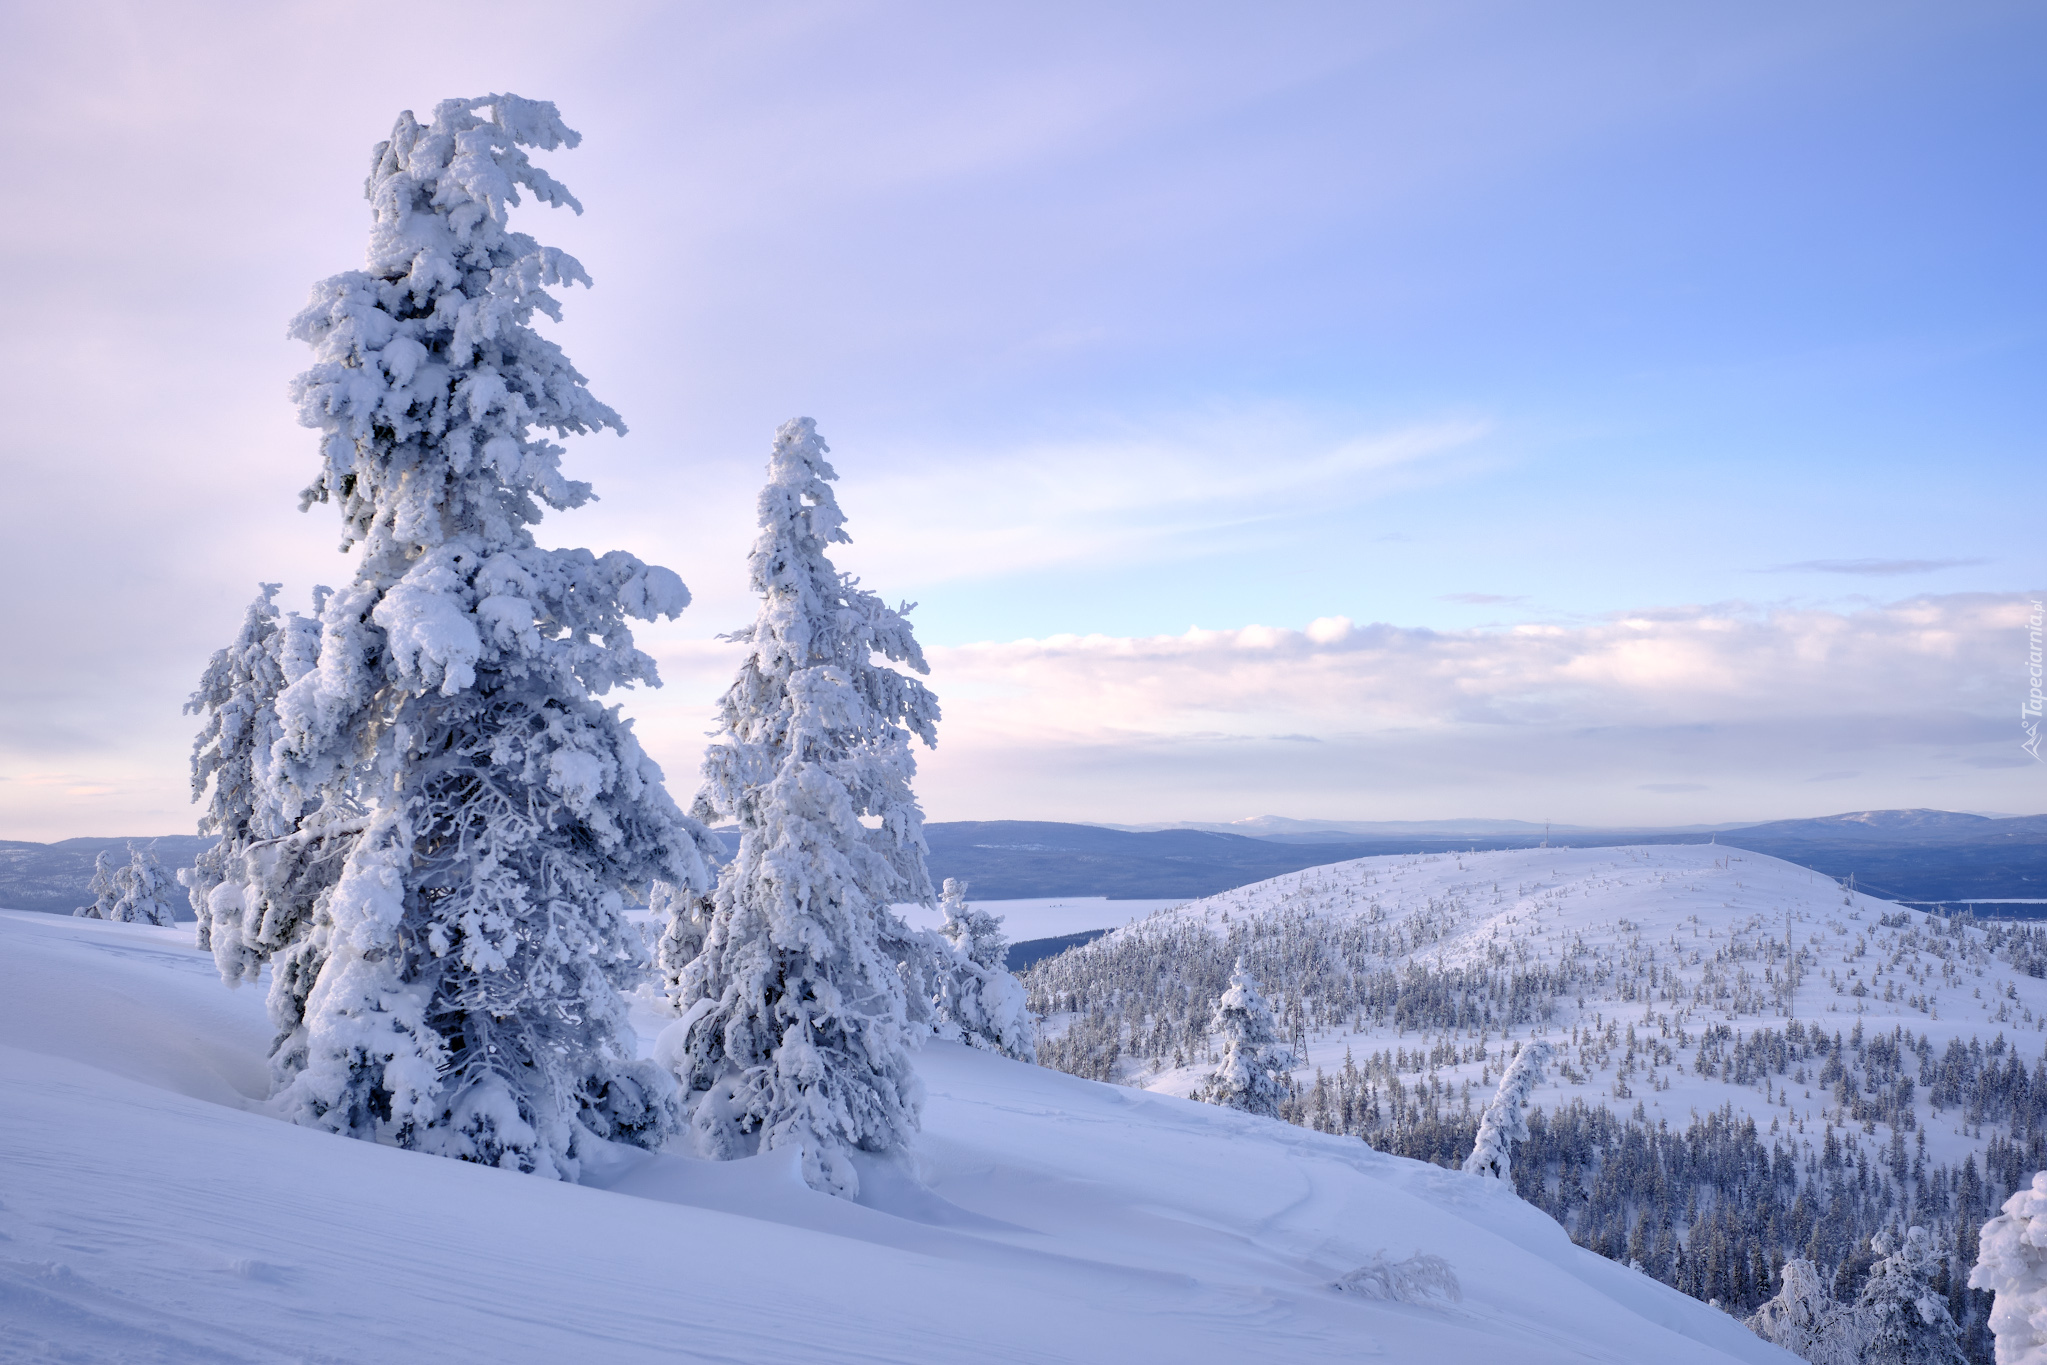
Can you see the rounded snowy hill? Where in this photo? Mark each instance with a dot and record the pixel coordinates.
(1650, 968)
(152, 1211)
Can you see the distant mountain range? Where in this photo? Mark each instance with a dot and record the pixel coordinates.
(55, 877)
(1912, 855)
(1927, 856)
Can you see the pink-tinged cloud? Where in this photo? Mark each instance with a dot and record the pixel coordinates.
(1712, 710)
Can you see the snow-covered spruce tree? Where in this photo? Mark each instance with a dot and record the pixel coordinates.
(458, 988)
(105, 887)
(684, 916)
(1253, 1074)
(255, 891)
(976, 933)
(1805, 1320)
(1903, 1319)
(2012, 1264)
(1504, 1123)
(979, 1001)
(797, 1023)
(135, 892)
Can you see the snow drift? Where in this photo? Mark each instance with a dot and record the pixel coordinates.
(152, 1212)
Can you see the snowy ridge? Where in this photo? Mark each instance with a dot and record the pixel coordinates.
(1669, 940)
(151, 1212)
(1750, 1064)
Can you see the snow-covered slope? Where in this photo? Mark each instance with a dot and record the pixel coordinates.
(148, 1212)
(1663, 942)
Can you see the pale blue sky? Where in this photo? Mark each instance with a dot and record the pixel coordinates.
(1120, 319)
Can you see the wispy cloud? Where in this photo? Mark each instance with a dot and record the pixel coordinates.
(1537, 716)
(1201, 484)
(1874, 568)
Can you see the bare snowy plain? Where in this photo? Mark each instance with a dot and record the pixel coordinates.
(1673, 940)
(149, 1211)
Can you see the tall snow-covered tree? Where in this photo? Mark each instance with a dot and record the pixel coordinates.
(1504, 1121)
(473, 810)
(1903, 1319)
(797, 1022)
(979, 1002)
(1255, 1066)
(135, 892)
(2012, 1264)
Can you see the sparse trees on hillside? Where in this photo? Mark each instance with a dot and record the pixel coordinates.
(1254, 1073)
(1505, 1121)
(797, 1018)
(444, 813)
(137, 891)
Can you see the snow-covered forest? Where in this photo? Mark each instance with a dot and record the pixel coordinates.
(1750, 1064)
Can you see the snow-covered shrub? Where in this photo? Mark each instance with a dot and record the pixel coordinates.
(1805, 1320)
(1253, 1073)
(427, 816)
(2012, 1264)
(1504, 1122)
(135, 892)
(797, 1022)
(1901, 1318)
(1420, 1278)
(978, 1001)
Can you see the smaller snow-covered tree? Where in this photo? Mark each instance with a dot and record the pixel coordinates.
(1903, 1319)
(1504, 1123)
(683, 915)
(797, 1020)
(257, 891)
(1805, 1320)
(135, 892)
(105, 887)
(2012, 1264)
(978, 1001)
(976, 933)
(1254, 1072)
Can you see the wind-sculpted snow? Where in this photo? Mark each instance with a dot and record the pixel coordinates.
(1750, 1062)
(150, 1213)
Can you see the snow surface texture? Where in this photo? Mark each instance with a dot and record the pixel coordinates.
(149, 1213)
(426, 814)
(1669, 938)
(797, 1023)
